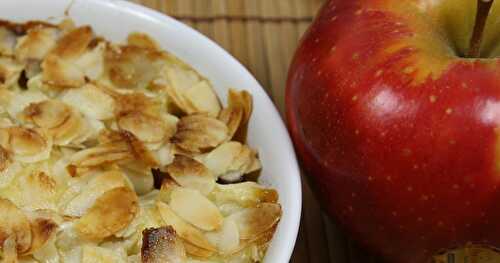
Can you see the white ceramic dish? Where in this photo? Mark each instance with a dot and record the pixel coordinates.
(114, 19)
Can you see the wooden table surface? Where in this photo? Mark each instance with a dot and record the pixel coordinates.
(263, 34)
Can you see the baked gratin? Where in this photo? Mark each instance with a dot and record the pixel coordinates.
(122, 153)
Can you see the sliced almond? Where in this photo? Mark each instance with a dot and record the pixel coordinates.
(132, 67)
(48, 114)
(61, 73)
(36, 44)
(96, 187)
(74, 43)
(256, 220)
(7, 41)
(10, 250)
(245, 194)
(145, 127)
(195, 208)
(91, 101)
(112, 212)
(197, 133)
(27, 145)
(32, 190)
(15, 103)
(203, 98)
(227, 237)
(94, 254)
(198, 252)
(91, 63)
(142, 40)
(184, 229)
(10, 70)
(232, 158)
(14, 222)
(161, 245)
(42, 230)
(191, 174)
(237, 114)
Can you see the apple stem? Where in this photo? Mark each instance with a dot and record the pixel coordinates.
(483, 10)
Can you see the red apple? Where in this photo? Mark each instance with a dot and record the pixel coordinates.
(396, 121)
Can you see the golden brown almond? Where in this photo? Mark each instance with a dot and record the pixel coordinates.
(161, 245)
(48, 114)
(190, 173)
(245, 194)
(145, 127)
(42, 229)
(198, 133)
(14, 222)
(142, 40)
(254, 221)
(36, 44)
(74, 43)
(111, 212)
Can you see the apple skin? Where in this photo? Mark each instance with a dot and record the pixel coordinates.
(398, 133)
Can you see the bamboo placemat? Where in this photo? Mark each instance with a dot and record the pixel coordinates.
(262, 35)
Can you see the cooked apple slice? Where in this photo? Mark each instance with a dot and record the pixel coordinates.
(161, 245)
(195, 208)
(111, 212)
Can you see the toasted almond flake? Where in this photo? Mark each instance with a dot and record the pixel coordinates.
(15, 103)
(74, 43)
(48, 113)
(32, 190)
(198, 252)
(227, 238)
(161, 245)
(237, 114)
(91, 101)
(27, 145)
(91, 63)
(10, 250)
(61, 73)
(94, 189)
(142, 40)
(195, 208)
(132, 67)
(145, 127)
(197, 133)
(245, 194)
(42, 230)
(184, 229)
(256, 220)
(7, 41)
(36, 44)
(10, 70)
(191, 174)
(112, 212)
(232, 158)
(203, 98)
(14, 222)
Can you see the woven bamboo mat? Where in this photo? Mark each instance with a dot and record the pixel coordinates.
(262, 35)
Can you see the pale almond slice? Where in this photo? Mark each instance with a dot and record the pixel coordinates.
(245, 194)
(10, 250)
(111, 212)
(203, 98)
(94, 254)
(36, 44)
(96, 187)
(140, 177)
(161, 245)
(91, 63)
(10, 71)
(197, 133)
(14, 222)
(190, 173)
(184, 229)
(259, 243)
(32, 189)
(7, 41)
(198, 252)
(42, 230)
(101, 155)
(256, 220)
(142, 40)
(195, 208)
(227, 238)
(8, 168)
(91, 101)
